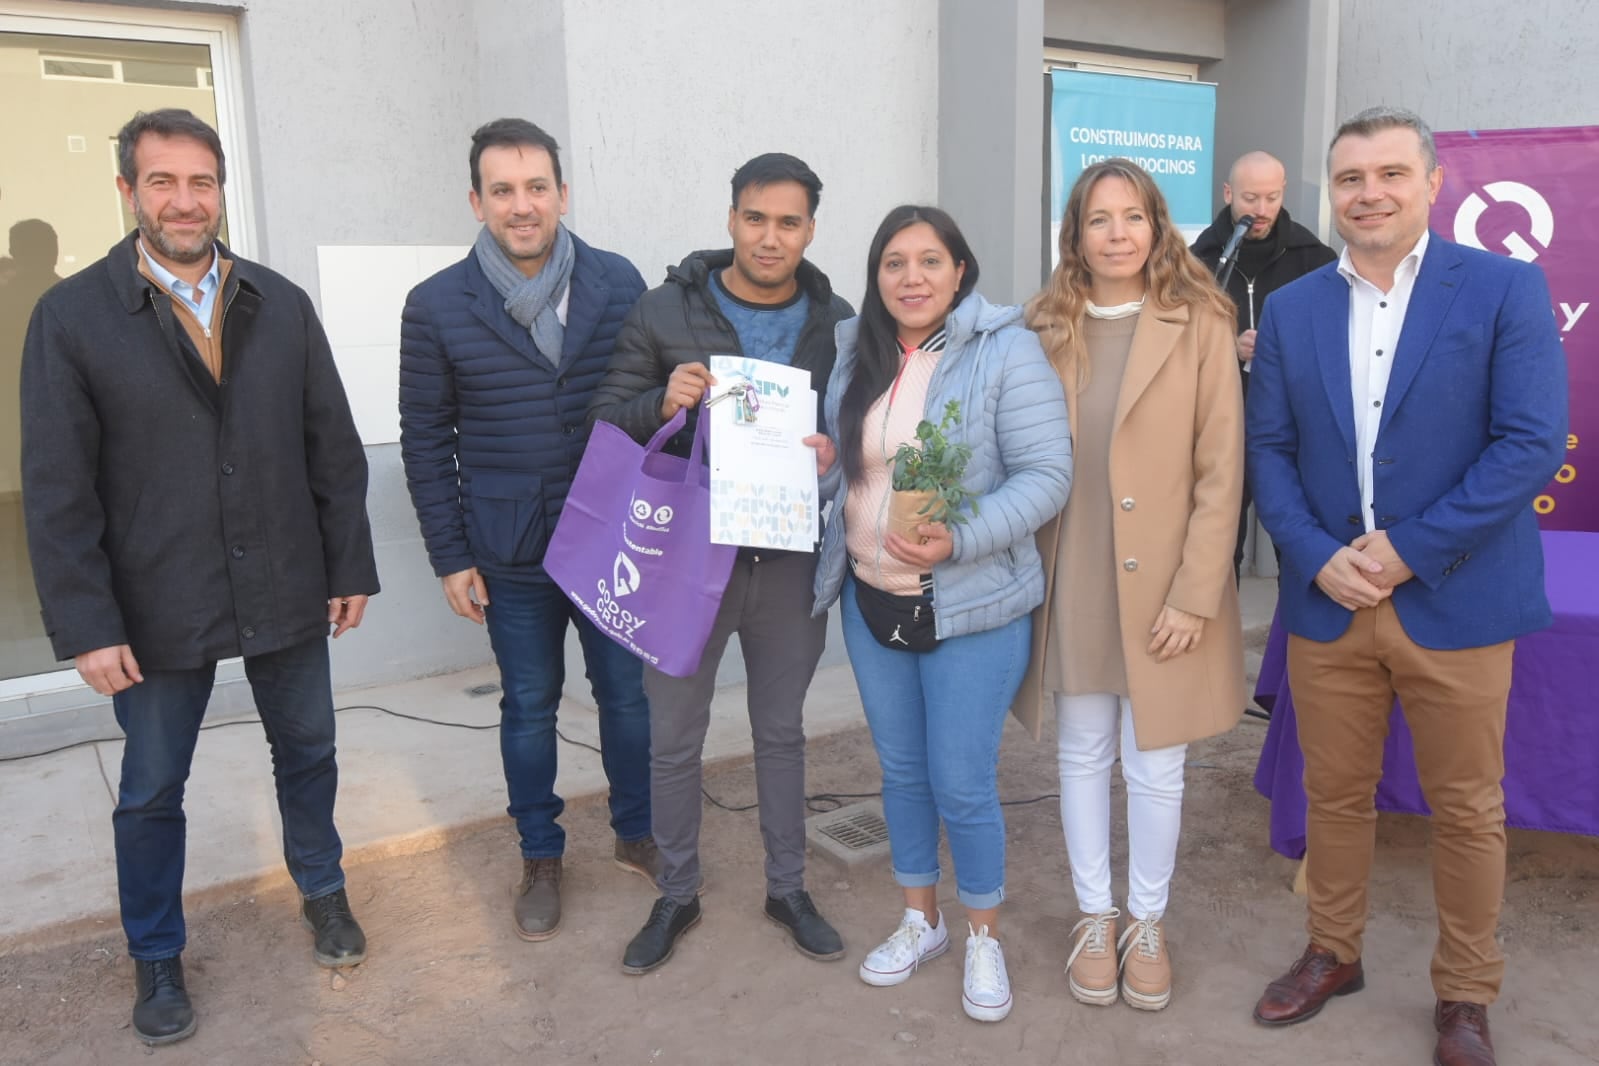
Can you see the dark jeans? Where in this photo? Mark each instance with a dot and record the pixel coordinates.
(161, 718)
(527, 628)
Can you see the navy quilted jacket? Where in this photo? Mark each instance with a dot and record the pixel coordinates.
(490, 432)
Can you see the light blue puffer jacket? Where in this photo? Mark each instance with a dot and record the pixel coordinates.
(1020, 470)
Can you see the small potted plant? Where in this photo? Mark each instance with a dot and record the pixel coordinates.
(927, 477)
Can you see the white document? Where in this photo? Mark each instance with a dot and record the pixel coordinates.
(763, 480)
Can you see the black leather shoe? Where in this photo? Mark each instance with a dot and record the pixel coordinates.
(339, 940)
(162, 1013)
(653, 945)
(810, 932)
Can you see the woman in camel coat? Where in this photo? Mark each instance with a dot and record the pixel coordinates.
(1139, 634)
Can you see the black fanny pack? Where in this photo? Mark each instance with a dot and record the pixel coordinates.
(904, 623)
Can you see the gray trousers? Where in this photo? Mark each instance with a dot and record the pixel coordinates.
(768, 604)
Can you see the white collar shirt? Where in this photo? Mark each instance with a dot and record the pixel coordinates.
(201, 298)
(1375, 320)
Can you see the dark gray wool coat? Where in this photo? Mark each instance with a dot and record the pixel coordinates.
(189, 518)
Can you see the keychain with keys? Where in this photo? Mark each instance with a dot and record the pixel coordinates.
(746, 402)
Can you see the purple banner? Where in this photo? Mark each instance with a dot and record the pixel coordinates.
(1531, 194)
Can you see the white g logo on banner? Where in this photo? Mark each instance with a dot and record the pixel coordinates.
(1514, 192)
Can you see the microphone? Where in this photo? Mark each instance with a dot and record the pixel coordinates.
(1224, 265)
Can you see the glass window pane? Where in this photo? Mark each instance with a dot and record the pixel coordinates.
(65, 98)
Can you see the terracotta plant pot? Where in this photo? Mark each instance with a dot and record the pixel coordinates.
(904, 511)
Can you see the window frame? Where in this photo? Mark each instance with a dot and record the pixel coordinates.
(220, 34)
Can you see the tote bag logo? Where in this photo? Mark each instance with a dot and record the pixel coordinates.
(646, 515)
(1473, 207)
(625, 578)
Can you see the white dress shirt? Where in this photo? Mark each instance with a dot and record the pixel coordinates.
(200, 298)
(1375, 319)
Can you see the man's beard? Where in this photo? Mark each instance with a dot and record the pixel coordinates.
(150, 230)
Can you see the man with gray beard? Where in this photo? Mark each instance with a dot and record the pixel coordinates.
(195, 490)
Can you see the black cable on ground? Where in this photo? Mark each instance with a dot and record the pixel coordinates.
(819, 803)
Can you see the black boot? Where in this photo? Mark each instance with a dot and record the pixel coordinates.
(653, 945)
(339, 940)
(162, 1013)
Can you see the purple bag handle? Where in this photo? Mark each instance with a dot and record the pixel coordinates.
(671, 428)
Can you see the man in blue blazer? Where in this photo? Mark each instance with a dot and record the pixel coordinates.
(499, 357)
(1408, 404)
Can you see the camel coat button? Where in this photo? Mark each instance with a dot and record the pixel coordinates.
(1130, 565)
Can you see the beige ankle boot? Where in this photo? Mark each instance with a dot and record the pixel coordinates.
(1091, 967)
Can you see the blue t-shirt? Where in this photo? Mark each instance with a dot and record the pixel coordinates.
(765, 331)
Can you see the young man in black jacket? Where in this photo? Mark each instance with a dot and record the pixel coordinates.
(760, 299)
(1274, 251)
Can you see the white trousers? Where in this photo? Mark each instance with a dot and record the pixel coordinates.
(1087, 727)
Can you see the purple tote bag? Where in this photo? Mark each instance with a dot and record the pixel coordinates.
(633, 547)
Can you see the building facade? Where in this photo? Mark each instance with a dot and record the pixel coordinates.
(347, 128)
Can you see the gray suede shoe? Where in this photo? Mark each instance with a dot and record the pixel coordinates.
(537, 899)
(639, 857)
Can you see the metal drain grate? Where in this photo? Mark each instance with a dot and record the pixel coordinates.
(856, 831)
(850, 835)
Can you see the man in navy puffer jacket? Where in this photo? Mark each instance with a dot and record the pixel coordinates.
(499, 357)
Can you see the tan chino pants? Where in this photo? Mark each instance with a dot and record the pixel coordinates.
(1454, 704)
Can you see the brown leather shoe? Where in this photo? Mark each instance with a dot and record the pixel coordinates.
(536, 899)
(1463, 1038)
(1307, 986)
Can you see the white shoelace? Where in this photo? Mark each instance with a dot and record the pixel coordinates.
(906, 941)
(1096, 929)
(1142, 936)
(984, 965)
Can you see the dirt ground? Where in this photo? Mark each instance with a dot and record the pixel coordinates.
(447, 980)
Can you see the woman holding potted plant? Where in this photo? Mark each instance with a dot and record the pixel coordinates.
(1139, 634)
(952, 398)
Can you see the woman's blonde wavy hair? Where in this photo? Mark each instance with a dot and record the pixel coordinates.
(1172, 276)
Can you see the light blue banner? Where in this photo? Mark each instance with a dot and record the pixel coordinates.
(1166, 127)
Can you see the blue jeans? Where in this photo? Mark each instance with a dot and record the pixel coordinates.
(936, 719)
(161, 719)
(527, 629)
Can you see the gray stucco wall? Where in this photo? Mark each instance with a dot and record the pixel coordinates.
(662, 115)
(1479, 64)
(353, 143)
(1189, 29)
(991, 127)
(1274, 92)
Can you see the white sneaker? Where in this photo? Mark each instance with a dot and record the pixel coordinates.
(913, 943)
(987, 991)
